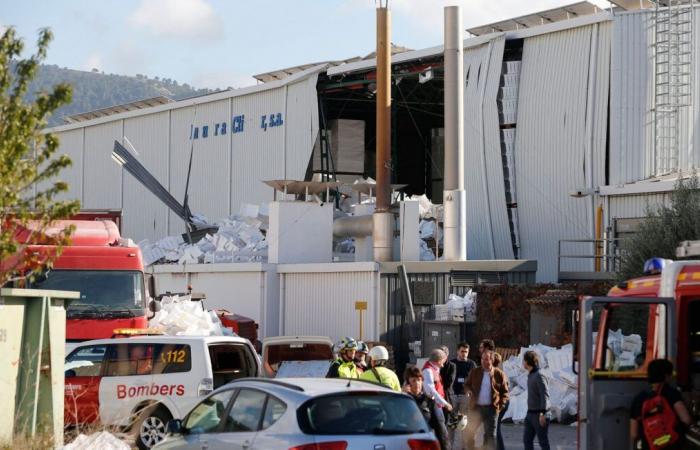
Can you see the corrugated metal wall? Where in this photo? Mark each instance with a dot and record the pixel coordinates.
(488, 231)
(102, 178)
(324, 304)
(227, 169)
(561, 112)
(634, 206)
(632, 102)
(142, 210)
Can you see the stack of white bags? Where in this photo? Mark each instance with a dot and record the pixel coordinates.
(180, 316)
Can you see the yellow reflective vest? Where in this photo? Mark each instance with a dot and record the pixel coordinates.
(387, 377)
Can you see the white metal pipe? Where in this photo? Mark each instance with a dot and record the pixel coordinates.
(455, 225)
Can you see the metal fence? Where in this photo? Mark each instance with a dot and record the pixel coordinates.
(605, 254)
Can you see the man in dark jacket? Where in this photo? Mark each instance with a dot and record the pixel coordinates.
(463, 366)
(536, 422)
(448, 373)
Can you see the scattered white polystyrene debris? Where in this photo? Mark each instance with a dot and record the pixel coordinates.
(102, 440)
(555, 365)
(239, 238)
(180, 316)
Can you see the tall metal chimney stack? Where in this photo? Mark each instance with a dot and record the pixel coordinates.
(454, 196)
(383, 219)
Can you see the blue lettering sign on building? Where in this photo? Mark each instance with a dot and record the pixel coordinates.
(237, 125)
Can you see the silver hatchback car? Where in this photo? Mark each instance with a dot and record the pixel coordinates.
(302, 414)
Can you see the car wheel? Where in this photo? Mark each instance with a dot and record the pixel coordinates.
(151, 427)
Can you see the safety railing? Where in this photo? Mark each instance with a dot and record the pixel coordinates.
(605, 255)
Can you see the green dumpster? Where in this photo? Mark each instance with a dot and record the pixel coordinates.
(32, 354)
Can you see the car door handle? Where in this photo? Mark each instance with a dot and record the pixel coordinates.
(245, 444)
(205, 445)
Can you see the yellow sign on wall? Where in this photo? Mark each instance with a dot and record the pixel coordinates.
(360, 306)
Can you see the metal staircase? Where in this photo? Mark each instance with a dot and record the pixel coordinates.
(673, 78)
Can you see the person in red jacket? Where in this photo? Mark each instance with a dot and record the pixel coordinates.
(435, 389)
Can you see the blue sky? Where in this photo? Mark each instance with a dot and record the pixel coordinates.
(217, 43)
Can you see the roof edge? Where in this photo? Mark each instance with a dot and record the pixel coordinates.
(223, 95)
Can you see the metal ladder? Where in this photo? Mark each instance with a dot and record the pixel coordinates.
(673, 78)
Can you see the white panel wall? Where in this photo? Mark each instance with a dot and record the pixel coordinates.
(555, 132)
(71, 144)
(318, 302)
(258, 154)
(632, 102)
(142, 210)
(250, 290)
(210, 178)
(635, 206)
(102, 177)
(301, 127)
(631, 98)
(227, 168)
(488, 231)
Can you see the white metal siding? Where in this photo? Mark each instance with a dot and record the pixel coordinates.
(250, 290)
(258, 154)
(142, 210)
(301, 127)
(71, 144)
(488, 231)
(631, 98)
(324, 304)
(635, 206)
(632, 102)
(227, 169)
(102, 177)
(552, 140)
(209, 180)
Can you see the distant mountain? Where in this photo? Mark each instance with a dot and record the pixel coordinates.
(96, 90)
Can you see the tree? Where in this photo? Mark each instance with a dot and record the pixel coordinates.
(663, 228)
(28, 194)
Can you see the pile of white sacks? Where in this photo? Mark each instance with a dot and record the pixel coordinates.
(555, 365)
(102, 440)
(180, 316)
(240, 238)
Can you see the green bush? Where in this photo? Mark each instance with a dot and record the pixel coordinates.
(663, 229)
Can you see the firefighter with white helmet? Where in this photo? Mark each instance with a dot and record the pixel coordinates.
(378, 373)
(344, 366)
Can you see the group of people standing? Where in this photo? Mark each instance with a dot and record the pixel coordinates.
(450, 393)
(459, 388)
(352, 362)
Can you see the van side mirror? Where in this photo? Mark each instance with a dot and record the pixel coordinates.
(175, 426)
(153, 306)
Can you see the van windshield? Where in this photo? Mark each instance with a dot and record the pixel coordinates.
(102, 292)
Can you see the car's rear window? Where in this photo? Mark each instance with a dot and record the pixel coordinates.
(361, 413)
(297, 352)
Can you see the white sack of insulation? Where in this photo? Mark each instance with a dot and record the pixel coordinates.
(180, 316)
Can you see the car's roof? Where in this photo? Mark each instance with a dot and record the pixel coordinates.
(292, 339)
(165, 338)
(309, 387)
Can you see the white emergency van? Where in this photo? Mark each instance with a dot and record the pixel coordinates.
(140, 383)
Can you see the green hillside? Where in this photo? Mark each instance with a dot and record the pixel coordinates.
(95, 90)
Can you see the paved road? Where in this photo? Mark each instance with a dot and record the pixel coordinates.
(561, 437)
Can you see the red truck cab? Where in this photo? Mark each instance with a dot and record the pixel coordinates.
(107, 271)
(655, 316)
